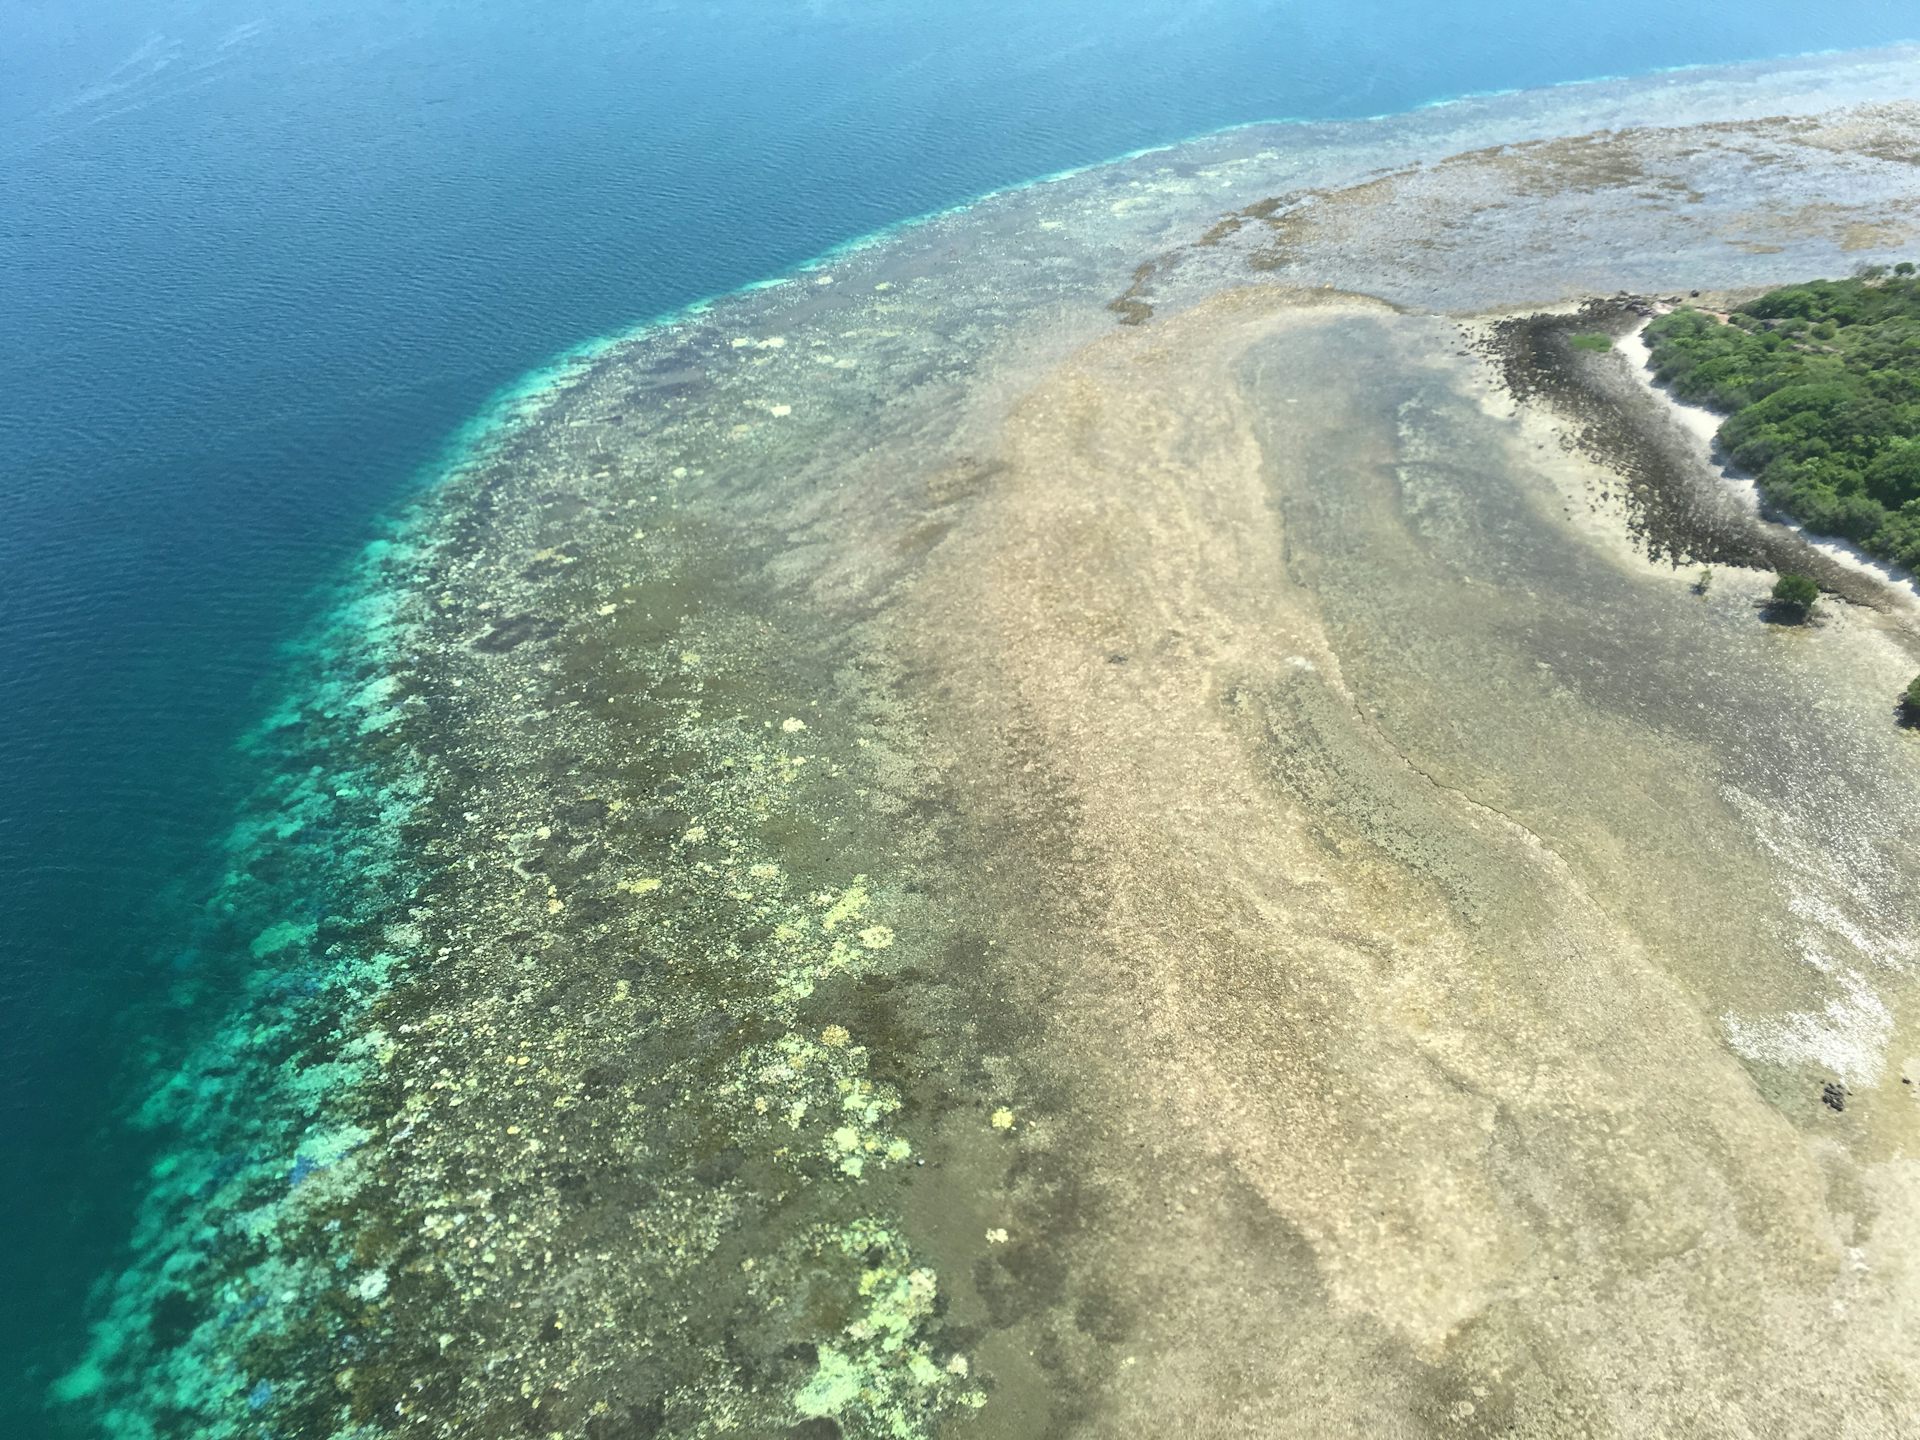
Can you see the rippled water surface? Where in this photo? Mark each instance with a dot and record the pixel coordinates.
(258, 263)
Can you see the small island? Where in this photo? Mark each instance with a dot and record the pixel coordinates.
(1821, 386)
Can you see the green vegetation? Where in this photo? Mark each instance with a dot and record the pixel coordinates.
(1822, 385)
(1797, 593)
(1910, 701)
(1593, 342)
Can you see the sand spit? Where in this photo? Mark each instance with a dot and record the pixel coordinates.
(996, 865)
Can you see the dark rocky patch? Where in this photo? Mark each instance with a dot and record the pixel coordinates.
(1677, 508)
(515, 631)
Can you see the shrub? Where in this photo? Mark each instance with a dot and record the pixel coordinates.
(1592, 342)
(1910, 701)
(1797, 593)
(1821, 385)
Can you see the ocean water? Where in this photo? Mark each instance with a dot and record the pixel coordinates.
(259, 265)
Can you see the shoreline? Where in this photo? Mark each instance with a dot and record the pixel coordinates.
(1676, 507)
(1704, 425)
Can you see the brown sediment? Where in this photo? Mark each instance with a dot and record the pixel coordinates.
(1393, 1091)
(1131, 309)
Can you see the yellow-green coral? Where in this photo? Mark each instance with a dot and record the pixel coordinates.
(881, 1377)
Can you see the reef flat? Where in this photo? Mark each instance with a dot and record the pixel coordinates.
(1099, 817)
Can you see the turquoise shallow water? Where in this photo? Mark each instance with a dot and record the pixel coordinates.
(258, 263)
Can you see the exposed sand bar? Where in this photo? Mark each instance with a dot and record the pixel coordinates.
(1462, 945)
(1071, 825)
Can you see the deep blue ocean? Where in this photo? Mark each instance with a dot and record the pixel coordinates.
(259, 260)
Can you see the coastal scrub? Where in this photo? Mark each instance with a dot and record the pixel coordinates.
(1821, 385)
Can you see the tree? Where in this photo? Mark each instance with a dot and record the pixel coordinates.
(1894, 474)
(1821, 385)
(1796, 593)
(1910, 702)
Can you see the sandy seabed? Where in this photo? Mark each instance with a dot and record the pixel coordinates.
(1109, 817)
